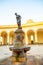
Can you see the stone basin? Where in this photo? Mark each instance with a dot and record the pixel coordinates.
(19, 50)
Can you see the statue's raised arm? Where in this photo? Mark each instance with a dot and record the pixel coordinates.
(18, 18)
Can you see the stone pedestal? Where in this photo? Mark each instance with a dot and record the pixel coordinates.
(20, 61)
(19, 50)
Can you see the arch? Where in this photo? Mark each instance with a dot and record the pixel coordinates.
(4, 36)
(12, 36)
(31, 36)
(40, 35)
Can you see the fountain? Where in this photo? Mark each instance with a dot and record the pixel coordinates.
(19, 49)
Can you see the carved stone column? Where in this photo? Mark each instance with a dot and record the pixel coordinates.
(8, 39)
(35, 36)
(26, 38)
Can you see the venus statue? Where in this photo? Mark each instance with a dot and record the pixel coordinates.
(18, 18)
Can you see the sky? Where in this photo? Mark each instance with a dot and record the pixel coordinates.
(28, 9)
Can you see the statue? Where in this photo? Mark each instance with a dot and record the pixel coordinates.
(18, 18)
(19, 49)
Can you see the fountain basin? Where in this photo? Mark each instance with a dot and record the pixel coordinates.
(19, 50)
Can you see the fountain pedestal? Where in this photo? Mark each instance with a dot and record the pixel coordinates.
(18, 49)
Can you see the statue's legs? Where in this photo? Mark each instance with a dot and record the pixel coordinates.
(19, 25)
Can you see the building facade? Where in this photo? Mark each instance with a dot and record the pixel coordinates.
(33, 33)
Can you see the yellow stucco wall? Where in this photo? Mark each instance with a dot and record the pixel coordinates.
(33, 33)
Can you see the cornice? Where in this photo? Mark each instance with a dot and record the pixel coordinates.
(23, 25)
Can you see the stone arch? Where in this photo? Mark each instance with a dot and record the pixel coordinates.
(31, 36)
(4, 36)
(12, 36)
(40, 35)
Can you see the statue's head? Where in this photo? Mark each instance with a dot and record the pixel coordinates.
(15, 13)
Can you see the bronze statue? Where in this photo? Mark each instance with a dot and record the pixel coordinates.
(18, 18)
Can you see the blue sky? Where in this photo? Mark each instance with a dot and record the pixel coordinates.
(28, 9)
